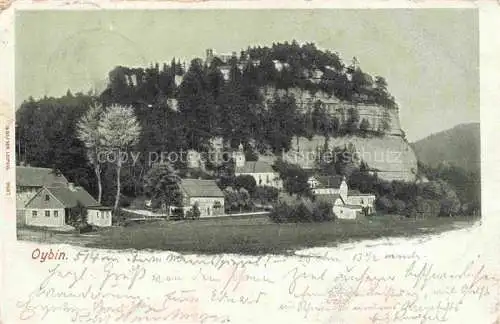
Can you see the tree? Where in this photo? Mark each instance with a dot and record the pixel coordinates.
(384, 204)
(161, 183)
(352, 121)
(294, 178)
(244, 198)
(245, 181)
(87, 131)
(281, 123)
(231, 198)
(119, 131)
(364, 127)
(196, 105)
(196, 211)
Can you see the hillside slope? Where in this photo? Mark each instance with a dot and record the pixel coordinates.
(459, 145)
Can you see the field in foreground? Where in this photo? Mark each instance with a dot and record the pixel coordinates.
(255, 235)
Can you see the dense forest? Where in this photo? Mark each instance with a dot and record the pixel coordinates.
(181, 107)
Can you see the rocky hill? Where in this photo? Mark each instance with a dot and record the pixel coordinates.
(286, 97)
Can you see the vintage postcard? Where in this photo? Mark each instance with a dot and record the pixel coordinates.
(249, 162)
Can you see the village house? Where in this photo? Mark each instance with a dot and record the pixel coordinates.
(44, 198)
(365, 200)
(261, 171)
(203, 193)
(347, 204)
(323, 185)
(51, 206)
(340, 208)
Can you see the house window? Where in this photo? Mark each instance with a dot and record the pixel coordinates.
(267, 179)
(47, 213)
(56, 213)
(362, 201)
(33, 213)
(47, 197)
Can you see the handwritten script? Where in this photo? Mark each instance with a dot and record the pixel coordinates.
(95, 286)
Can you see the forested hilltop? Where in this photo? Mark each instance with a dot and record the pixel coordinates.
(182, 106)
(222, 95)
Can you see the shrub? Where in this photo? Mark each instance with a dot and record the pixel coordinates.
(399, 206)
(125, 201)
(86, 228)
(177, 214)
(302, 213)
(245, 181)
(281, 213)
(303, 210)
(323, 211)
(196, 211)
(423, 208)
(266, 194)
(384, 204)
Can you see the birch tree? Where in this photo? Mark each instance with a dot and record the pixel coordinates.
(119, 130)
(87, 131)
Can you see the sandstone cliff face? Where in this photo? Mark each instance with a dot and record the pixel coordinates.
(375, 115)
(390, 155)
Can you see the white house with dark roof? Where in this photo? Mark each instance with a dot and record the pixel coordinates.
(328, 185)
(204, 193)
(341, 209)
(347, 204)
(261, 171)
(50, 206)
(44, 198)
(365, 200)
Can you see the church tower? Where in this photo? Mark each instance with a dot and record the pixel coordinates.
(239, 157)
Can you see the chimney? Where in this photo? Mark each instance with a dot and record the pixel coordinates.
(71, 186)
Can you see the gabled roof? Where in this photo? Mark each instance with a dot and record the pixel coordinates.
(255, 167)
(38, 177)
(329, 198)
(357, 193)
(329, 181)
(201, 188)
(353, 193)
(69, 198)
(353, 207)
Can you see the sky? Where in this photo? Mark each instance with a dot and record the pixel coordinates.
(429, 57)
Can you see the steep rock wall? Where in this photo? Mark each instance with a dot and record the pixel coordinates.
(391, 156)
(376, 115)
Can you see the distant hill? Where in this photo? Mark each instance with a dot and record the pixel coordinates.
(459, 145)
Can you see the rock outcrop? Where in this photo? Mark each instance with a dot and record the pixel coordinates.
(390, 156)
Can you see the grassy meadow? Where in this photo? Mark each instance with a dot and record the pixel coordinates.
(246, 235)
